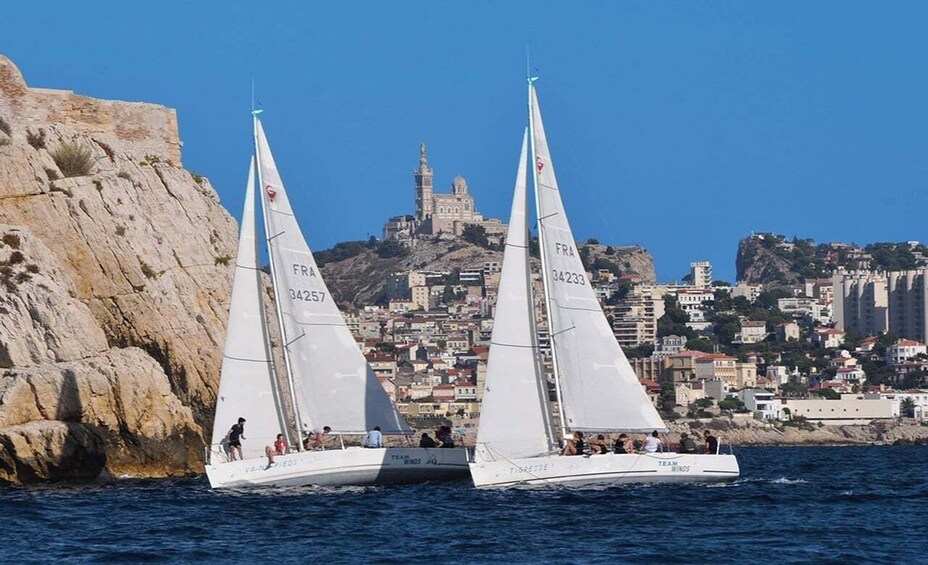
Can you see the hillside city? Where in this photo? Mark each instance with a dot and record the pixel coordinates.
(821, 334)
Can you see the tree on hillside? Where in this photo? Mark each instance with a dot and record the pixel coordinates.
(476, 234)
(392, 248)
(674, 320)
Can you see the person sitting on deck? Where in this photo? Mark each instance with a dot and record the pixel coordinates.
(373, 439)
(598, 445)
(653, 444)
(574, 446)
(426, 441)
(444, 436)
(279, 448)
(623, 445)
(687, 445)
(316, 439)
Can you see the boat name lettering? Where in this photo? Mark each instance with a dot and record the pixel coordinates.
(307, 295)
(568, 277)
(399, 457)
(303, 270)
(674, 466)
(530, 468)
(564, 249)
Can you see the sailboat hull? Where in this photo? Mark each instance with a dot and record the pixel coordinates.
(341, 467)
(604, 469)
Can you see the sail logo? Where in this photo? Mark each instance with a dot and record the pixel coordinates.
(539, 164)
(271, 193)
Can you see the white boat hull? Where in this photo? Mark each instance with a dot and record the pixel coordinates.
(340, 467)
(604, 469)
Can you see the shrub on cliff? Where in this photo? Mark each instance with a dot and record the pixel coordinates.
(72, 159)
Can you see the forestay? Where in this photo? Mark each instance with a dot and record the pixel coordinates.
(513, 416)
(246, 385)
(600, 391)
(334, 384)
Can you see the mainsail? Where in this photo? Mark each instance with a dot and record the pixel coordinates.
(334, 385)
(246, 386)
(599, 389)
(513, 416)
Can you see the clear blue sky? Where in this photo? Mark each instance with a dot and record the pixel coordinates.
(679, 126)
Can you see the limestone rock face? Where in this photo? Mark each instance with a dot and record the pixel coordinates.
(122, 397)
(40, 320)
(132, 251)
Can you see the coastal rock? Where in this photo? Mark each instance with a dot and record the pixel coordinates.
(48, 450)
(122, 398)
(130, 250)
(748, 431)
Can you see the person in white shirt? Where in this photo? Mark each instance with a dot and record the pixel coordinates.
(653, 444)
(316, 438)
(374, 438)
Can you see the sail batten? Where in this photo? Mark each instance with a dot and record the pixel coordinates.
(598, 388)
(247, 386)
(513, 417)
(333, 384)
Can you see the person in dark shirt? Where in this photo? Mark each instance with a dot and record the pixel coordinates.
(623, 445)
(712, 443)
(234, 439)
(687, 445)
(426, 441)
(598, 445)
(574, 446)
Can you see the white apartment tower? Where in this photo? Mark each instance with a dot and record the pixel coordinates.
(874, 302)
(701, 273)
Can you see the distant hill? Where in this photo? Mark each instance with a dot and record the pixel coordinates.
(771, 258)
(356, 271)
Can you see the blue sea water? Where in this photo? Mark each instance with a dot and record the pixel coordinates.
(792, 504)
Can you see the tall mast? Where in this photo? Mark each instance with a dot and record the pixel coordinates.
(280, 319)
(544, 270)
(275, 383)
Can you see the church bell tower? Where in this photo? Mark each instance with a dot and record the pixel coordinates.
(423, 177)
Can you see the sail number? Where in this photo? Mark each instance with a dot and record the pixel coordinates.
(568, 277)
(307, 295)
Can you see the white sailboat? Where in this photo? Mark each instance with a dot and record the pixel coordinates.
(597, 390)
(329, 380)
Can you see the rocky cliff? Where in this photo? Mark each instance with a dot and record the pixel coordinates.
(114, 284)
(758, 262)
(361, 278)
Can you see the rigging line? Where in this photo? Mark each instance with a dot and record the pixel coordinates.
(555, 334)
(318, 324)
(551, 215)
(245, 360)
(247, 268)
(270, 239)
(294, 339)
(577, 309)
(513, 345)
(517, 246)
(548, 186)
(282, 213)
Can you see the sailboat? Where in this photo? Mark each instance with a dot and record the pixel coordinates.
(597, 391)
(328, 381)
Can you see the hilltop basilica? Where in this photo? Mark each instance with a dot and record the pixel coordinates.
(440, 213)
